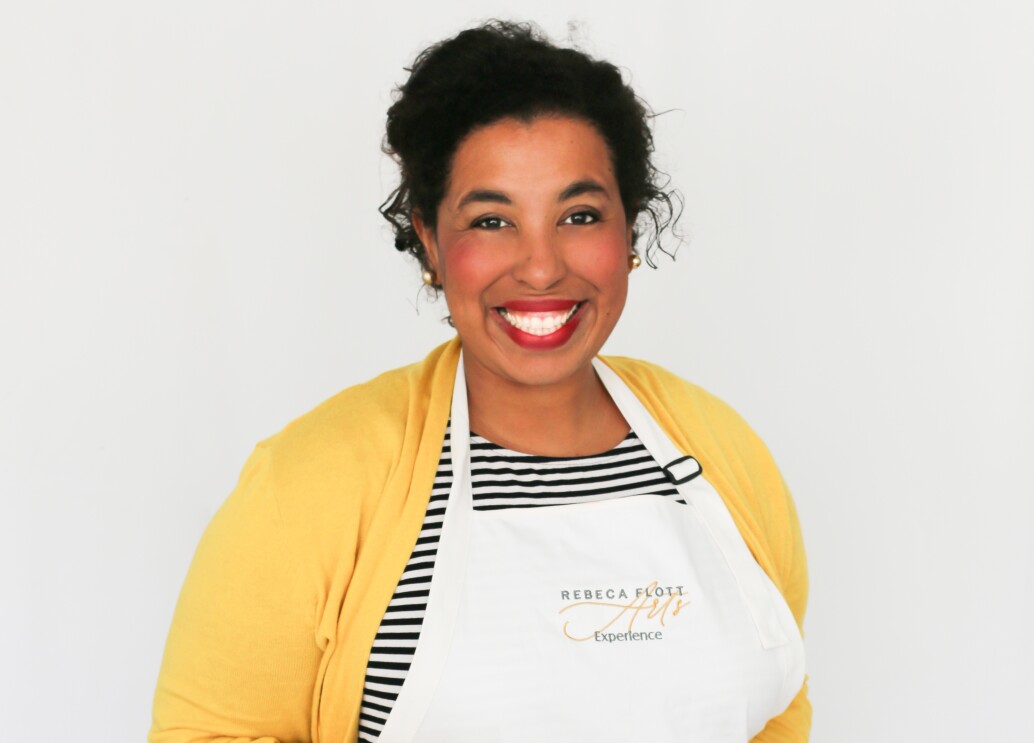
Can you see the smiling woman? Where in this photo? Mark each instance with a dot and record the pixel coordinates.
(399, 564)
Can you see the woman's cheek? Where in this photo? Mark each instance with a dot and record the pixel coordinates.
(605, 257)
(471, 263)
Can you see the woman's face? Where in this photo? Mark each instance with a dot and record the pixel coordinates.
(532, 249)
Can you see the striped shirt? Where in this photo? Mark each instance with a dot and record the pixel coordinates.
(500, 478)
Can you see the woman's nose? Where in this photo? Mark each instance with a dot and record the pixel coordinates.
(540, 262)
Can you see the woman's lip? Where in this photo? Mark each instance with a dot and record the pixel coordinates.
(549, 342)
(539, 305)
(542, 342)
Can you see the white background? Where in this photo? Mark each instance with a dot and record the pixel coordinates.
(192, 256)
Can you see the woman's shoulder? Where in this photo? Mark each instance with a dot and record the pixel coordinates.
(368, 419)
(357, 416)
(659, 387)
(352, 442)
(318, 474)
(707, 427)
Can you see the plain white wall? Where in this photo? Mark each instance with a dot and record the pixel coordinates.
(192, 257)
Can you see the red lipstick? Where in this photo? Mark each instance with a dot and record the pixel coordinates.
(533, 342)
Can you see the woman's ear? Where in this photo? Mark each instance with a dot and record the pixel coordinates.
(427, 239)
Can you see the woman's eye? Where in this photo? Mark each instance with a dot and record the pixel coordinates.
(489, 223)
(583, 218)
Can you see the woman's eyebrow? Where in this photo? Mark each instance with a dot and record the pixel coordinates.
(577, 188)
(582, 187)
(483, 194)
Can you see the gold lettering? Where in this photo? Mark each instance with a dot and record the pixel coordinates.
(647, 605)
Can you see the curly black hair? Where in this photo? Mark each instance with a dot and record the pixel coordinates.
(503, 70)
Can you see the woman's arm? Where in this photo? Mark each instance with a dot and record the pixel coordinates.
(241, 659)
(793, 725)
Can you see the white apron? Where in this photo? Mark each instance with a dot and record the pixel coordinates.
(631, 619)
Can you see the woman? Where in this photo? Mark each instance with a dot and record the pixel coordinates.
(512, 539)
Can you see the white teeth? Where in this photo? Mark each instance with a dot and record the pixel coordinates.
(538, 323)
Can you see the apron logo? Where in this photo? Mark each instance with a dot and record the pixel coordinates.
(641, 613)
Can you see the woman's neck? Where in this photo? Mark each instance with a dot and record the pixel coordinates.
(573, 417)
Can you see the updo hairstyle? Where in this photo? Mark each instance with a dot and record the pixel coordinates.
(510, 70)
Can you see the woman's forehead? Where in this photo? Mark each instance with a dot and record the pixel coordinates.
(541, 157)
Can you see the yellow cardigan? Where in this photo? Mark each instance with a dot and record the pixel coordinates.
(275, 621)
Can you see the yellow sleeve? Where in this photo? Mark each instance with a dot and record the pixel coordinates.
(794, 724)
(241, 660)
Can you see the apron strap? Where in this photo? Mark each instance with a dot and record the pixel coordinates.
(447, 581)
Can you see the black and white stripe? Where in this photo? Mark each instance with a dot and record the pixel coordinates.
(500, 478)
(505, 479)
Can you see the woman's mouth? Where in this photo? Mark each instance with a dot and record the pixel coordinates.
(538, 323)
